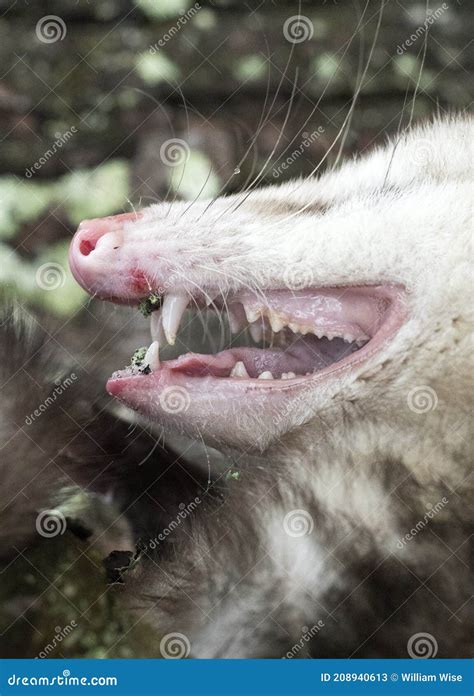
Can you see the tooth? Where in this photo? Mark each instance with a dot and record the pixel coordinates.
(251, 314)
(234, 322)
(171, 312)
(288, 375)
(256, 331)
(239, 370)
(210, 299)
(265, 375)
(276, 322)
(156, 328)
(152, 356)
(294, 328)
(348, 338)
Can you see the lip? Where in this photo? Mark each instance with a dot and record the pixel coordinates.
(183, 398)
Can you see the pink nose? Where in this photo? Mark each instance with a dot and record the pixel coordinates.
(93, 246)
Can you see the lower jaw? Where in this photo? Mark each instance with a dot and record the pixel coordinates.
(194, 394)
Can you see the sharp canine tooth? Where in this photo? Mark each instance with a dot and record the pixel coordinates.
(171, 312)
(152, 356)
(239, 370)
(256, 331)
(265, 375)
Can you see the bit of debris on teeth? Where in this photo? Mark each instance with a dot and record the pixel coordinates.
(137, 357)
(139, 361)
(150, 304)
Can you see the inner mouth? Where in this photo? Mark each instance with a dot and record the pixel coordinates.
(277, 336)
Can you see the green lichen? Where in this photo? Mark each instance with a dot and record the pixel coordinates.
(233, 475)
(138, 356)
(150, 304)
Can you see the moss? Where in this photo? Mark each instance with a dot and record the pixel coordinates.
(137, 357)
(154, 68)
(150, 304)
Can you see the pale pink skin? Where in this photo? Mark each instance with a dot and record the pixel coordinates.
(193, 394)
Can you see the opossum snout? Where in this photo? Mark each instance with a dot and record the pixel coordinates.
(94, 245)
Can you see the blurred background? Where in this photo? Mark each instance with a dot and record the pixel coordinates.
(93, 94)
(110, 105)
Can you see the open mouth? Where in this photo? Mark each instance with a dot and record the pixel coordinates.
(280, 339)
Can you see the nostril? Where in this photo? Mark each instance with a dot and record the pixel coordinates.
(86, 246)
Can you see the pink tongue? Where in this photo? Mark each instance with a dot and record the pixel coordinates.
(306, 355)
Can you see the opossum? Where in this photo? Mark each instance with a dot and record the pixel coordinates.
(343, 528)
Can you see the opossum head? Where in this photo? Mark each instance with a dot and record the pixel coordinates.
(353, 287)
